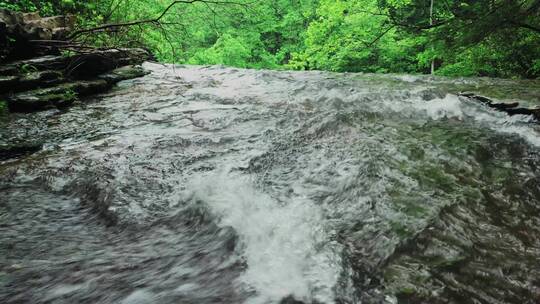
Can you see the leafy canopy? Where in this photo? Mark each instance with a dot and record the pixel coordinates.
(498, 38)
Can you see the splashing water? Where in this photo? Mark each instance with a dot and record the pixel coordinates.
(284, 243)
(221, 185)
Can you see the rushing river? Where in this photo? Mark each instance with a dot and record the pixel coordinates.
(221, 185)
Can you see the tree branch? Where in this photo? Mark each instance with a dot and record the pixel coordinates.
(382, 34)
(525, 25)
(156, 20)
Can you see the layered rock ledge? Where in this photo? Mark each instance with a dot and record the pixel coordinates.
(36, 76)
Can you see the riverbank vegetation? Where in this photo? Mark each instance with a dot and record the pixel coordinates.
(498, 38)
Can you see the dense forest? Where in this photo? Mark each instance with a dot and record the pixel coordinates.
(498, 38)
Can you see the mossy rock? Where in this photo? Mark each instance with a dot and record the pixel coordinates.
(78, 66)
(40, 78)
(59, 96)
(83, 66)
(49, 62)
(124, 73)
(27, 103)
(37, 84)
(7, 83)
(28, 81)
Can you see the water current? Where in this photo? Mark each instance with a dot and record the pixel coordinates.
(207, 184)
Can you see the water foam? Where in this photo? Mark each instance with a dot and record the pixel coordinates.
(521, 125)
(451, 106)
(448, 107)
(284, 244)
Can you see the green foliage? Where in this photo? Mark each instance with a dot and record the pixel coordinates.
(69, 95)
(343, 40)
(535, 69)
(3, 108)
(67, 53)
(46, 7)
(499, 38)
(227, 50)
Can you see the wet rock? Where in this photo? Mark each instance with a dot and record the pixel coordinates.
(95, 63)
(7, 83)
(29, 17)
(524, 111)
(83, 88)
(79, 65)
(12, 150)
(28, 102)
(18, 31)
(124, 73)
(55, 25)
(43, 76)
(505, 106)
(37, 80)
(42, 63)
(59, 96)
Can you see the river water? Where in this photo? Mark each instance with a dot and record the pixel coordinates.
(220, 185)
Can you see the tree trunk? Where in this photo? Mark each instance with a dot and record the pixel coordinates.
(431, 23)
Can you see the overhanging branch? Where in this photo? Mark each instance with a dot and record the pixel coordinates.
(527, 26)
(156, 20)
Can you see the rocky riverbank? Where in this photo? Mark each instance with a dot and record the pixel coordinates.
(57, 81)
(37, 73)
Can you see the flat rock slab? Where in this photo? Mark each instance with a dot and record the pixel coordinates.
(78, 65)
(49, 62)
(56, 81)
(98, 62)
(34, 80)
(124, 73)
(58, 96)
(7, 83)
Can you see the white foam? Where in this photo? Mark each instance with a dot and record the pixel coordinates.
(284, 243)
(520, 125)
(452, 107)
(448, 107)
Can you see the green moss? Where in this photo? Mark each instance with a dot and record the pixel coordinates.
(70, 95)
(3, 108)
(67, 54)
(61, 99)
(26, 69)
(407, 290)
